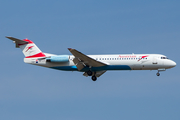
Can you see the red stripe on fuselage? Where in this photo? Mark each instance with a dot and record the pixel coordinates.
(37, 55)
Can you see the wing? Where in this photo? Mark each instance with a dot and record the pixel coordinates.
(17, 41)
(82, 60)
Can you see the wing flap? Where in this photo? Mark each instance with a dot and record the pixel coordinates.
(80, 66)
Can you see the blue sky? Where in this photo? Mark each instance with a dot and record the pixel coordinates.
(92, 27)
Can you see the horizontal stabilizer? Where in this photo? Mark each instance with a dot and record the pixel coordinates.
(17, 41)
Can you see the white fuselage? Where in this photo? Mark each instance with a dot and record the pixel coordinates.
(114, 62)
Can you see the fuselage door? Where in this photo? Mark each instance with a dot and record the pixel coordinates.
(154, 60)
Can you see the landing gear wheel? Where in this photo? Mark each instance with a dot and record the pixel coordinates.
(89, 73)
(94, 78)
(158, 74)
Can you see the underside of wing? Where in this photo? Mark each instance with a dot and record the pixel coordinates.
(98, 73)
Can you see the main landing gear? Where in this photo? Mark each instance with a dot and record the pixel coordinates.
(93, 74)
(94, 78)
(89, 73)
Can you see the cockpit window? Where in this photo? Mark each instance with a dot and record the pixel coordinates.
(164, 58)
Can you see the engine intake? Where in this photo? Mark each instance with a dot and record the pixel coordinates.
(58, 58)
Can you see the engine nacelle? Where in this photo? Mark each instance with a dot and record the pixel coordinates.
(58, 58)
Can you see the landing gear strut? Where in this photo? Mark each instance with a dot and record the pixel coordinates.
(94, 78)
(159, 70)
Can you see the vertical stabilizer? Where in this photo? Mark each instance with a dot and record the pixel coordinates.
(29, 49)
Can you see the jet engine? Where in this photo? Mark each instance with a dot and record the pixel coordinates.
(58, 59)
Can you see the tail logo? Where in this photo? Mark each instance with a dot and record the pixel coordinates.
(29, 48)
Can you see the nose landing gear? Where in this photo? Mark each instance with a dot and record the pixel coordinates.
(158, 74)
(159, 70)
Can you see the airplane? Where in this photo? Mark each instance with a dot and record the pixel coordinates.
(92, 65)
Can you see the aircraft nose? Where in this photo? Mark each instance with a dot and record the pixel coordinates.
(173, 64)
